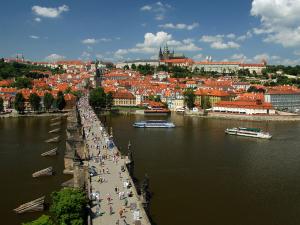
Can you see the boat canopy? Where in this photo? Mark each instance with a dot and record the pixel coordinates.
(250, 129)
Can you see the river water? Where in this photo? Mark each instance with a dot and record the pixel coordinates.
(22, 140)
(199, 175)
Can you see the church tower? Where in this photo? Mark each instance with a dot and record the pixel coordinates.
(160, 54)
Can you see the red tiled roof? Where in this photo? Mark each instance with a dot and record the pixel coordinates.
(251, 97)
(70, 62)
(8, 90)
(217, 63)
(178, 61)
(123, 95)
(211, 92)
(283, 90)
(5, 82)
(244, 104)
(252, 65)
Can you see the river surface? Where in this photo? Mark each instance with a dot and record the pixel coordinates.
(22, 140)
(199, 175)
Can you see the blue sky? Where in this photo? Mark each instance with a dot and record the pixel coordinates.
(117, 30)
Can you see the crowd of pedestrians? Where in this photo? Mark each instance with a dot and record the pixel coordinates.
(111, 185)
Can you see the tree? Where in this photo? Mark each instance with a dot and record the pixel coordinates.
(1, 105)
(157, 98)
(68, 206)
(126, 67)
(60, 101)
(78, 94)
(109, 100)
(97, 98)
(133, 66)
(10, 70)
(22, 82)
(162, 67)
(189, 98)
(48, 100)
(19, 103)
(42, 220)
(68, 90)
(205, 103)
(35, 101)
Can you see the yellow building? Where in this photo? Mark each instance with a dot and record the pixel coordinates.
(210, 97)
(124, 99)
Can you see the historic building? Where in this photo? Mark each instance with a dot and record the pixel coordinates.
(124, 98)
(167, 54)
(244, 107)
(228, 67)
(284, 98)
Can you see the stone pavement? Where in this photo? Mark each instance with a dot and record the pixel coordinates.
(115, 197)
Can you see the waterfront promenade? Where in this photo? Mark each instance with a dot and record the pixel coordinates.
(115, 197)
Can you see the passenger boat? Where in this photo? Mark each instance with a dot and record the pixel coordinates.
(180, 110)
(157, 111)
(154, 124)
(248, 132)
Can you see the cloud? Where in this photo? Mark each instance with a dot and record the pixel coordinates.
(260, 57)
(89, 41)
(179, 26)
(85, 56)
(50, 12)
(245, 36)
(290, 62)
(255, 59)
(37, 19)
(224, 45)
(156, 40)
(159, 9)
(211, 38)
(198, 57)
(217, 41)
(146, 8)
(231, 36)
(272, 59)
(297, 52)
(54, 57)
(279, 21)
(239, 57)
(119, 54)
(99, 56)
(105, 39)
(153, 41)
(34, 37)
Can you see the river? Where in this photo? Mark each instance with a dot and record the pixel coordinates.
(199, 175)
(22, 140)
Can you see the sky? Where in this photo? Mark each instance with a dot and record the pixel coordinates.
(118, 30)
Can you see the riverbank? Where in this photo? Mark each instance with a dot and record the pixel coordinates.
(282, 117)
(278, 118)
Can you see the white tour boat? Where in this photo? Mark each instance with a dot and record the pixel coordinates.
(154, 124)
(248, 132)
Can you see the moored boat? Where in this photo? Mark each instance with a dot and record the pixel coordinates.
(154, 124)
(248, 132)
(157, 111)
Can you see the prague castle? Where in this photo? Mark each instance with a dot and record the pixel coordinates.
(167, 54)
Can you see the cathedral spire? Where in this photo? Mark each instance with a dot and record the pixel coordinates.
(160, 54)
